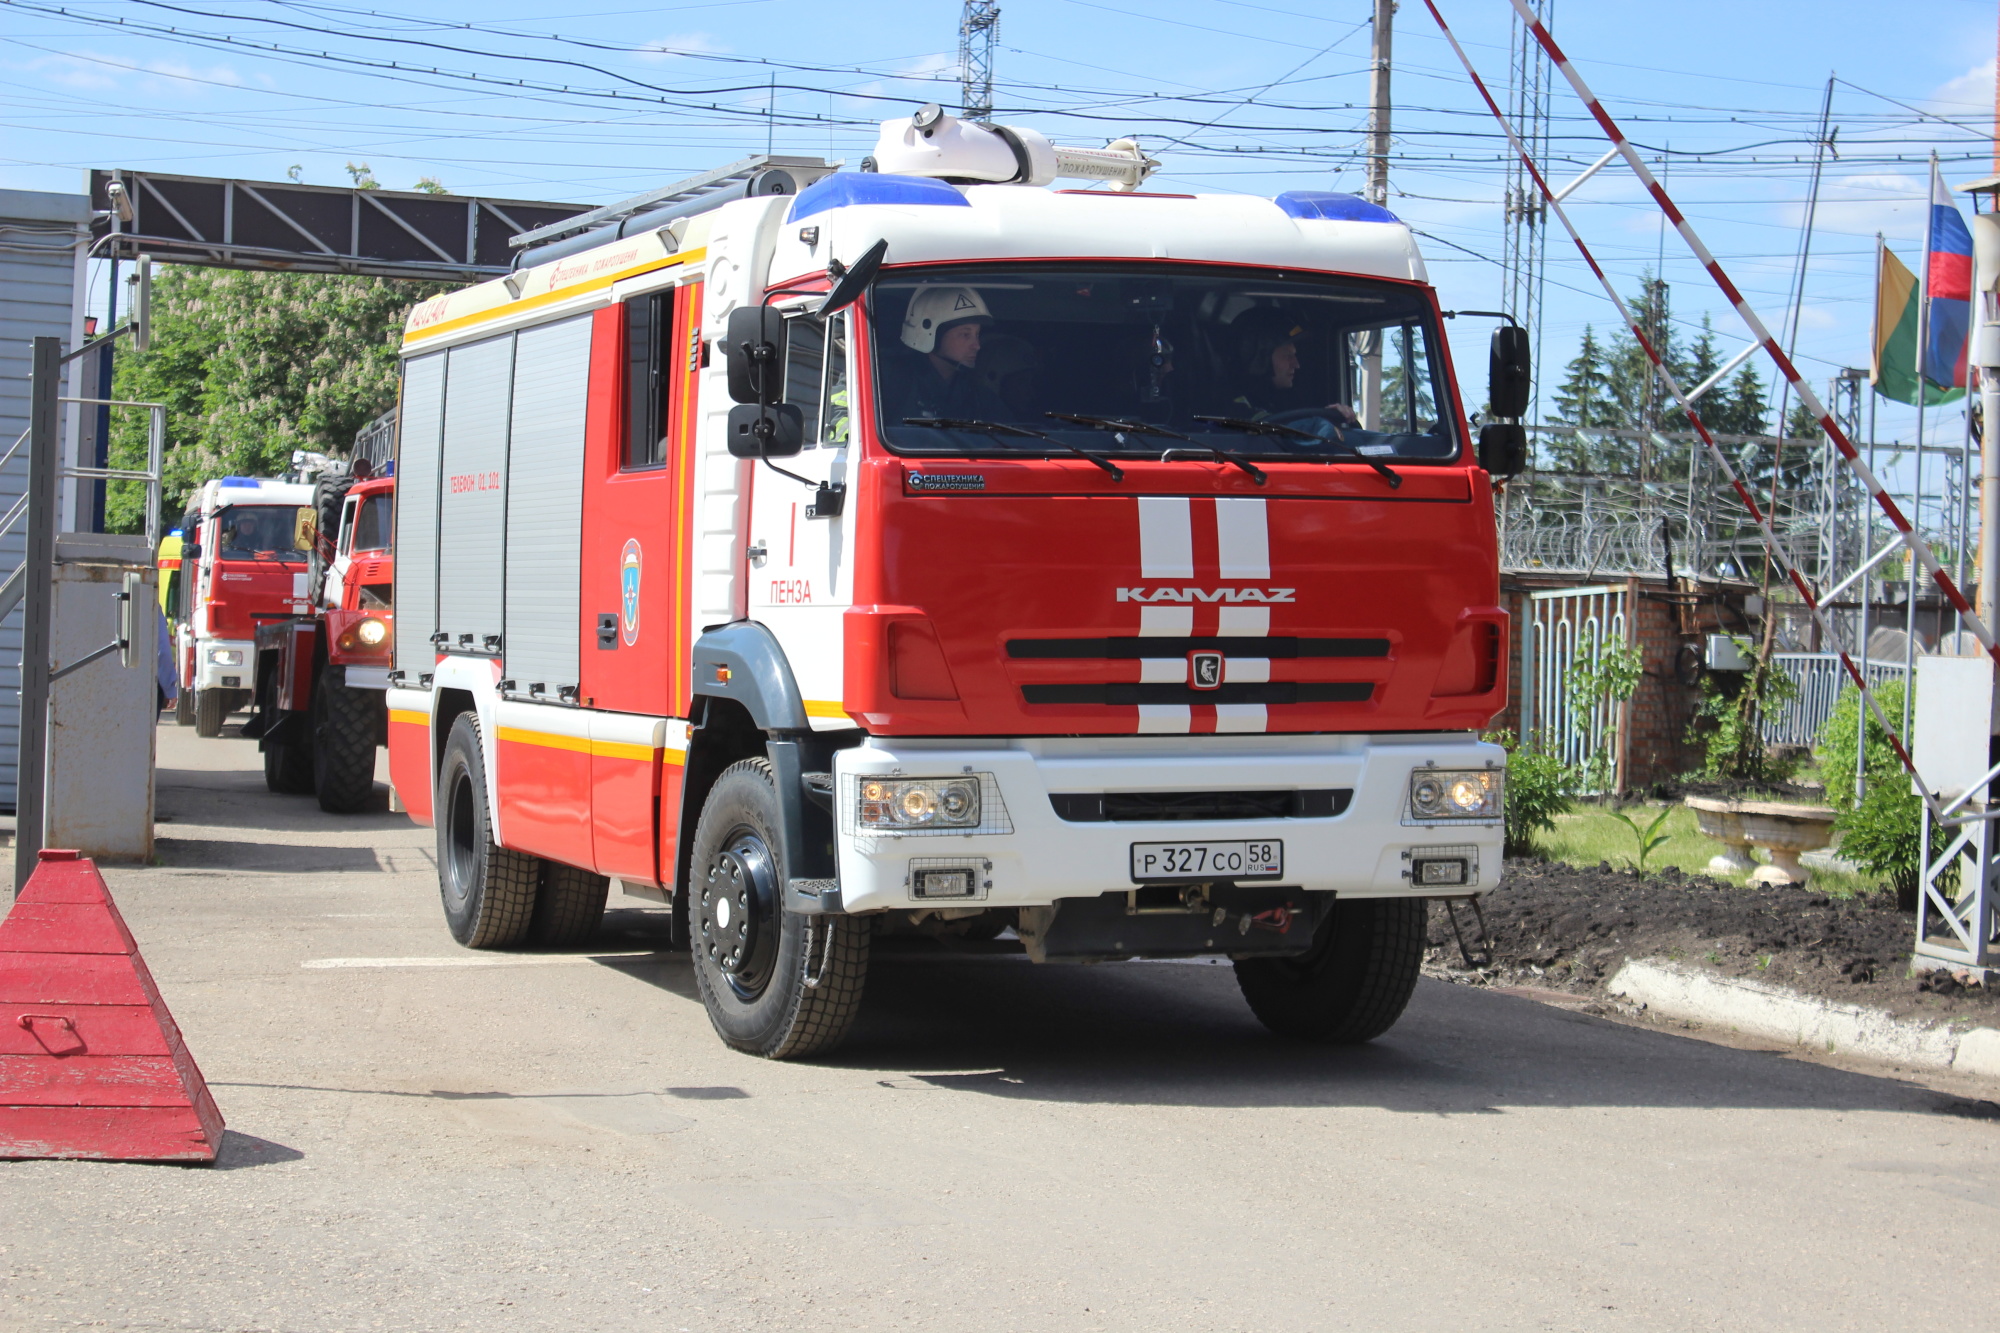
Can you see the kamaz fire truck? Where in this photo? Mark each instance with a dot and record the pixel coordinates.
(921, 549)
(321, 676)
(244, 543)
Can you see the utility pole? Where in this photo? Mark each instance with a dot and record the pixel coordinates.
(1378, 193)
(977, 29)
(1378, 104)
(39, 599)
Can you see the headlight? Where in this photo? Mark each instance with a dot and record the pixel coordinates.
(891, 804)
(371, 632)
(226, 656)
(1441, 794)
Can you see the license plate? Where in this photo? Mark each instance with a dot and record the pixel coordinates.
(1156, 861)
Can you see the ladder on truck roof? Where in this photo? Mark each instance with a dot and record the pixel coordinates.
(712, 186)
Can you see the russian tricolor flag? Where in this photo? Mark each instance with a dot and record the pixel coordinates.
(1949, 287)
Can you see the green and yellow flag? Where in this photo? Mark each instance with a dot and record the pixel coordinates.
(1894, 373)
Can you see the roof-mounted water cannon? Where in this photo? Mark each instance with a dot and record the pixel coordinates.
(936, 144)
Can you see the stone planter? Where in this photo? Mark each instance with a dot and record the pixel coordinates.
(1780, 828)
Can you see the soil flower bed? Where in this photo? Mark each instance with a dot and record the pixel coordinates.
(1570, 928)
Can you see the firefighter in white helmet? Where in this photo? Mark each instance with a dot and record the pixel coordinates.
(944, 324)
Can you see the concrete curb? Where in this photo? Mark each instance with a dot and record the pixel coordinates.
(1802, 1020)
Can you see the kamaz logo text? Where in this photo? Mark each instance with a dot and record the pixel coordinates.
(1231, 595)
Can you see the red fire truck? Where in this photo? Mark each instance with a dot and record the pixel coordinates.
(320, 678)
(243, 563)
(833, 553)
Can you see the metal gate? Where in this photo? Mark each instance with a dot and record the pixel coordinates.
(1562, 625)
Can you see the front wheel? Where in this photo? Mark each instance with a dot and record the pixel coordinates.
(211, 710)
(488, 891)
(775, 983)
(1353, 983)
(345, 725)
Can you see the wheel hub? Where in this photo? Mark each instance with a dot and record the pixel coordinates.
(736, 914)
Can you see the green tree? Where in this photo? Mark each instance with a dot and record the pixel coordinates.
(252, 366)
(1583, 399)
(1737, 407)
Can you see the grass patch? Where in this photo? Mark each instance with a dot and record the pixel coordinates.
(1588, 835)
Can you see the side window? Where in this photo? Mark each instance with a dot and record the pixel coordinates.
(648, 329)
(1408, 405)
(347, 527)
(833, 415)
(805, 366)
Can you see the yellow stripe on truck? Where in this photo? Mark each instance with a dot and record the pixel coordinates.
(824, 708)
(566, 293)
(410, 716)
(581, 744)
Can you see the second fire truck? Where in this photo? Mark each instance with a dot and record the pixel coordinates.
(920, 548)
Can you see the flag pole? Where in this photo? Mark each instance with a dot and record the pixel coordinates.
(1917, 495)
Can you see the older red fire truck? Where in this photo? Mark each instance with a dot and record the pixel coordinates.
(831, 553)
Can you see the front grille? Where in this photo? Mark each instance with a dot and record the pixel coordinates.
(1243, 692)
(1092, 807)
(1128, 648)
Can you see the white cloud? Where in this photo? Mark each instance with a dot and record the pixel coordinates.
(1970, 91)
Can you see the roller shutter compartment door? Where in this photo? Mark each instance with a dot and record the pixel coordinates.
(545, 505)
(417, 513)
(472, 510)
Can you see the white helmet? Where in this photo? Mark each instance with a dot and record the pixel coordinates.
(934, 307)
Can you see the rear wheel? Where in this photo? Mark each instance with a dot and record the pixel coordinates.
(184, 706)
(568, 906)
(488, 891)
(1353, 984)
(211, 710)
(345, 725)
(288, 765)
(775, 983)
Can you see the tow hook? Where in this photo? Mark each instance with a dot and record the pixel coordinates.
(1277, 921)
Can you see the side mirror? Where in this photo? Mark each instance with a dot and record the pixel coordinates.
(1509, 376)
(190, 553)
(1503, 447)
(752, 350)
(849, 286)
(775, 430)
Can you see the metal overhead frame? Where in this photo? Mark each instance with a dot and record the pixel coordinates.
(683, 191)
(279, 225)
(978, 29)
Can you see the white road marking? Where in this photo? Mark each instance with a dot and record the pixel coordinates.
(1243, 545)
(508, 960)
(1166, 537)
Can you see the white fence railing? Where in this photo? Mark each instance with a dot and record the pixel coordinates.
(1820, 679)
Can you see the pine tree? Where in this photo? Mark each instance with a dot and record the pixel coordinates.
(1738, 407)
(1583, 399)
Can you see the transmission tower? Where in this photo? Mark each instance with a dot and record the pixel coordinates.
(1523, 244)
(976, 32)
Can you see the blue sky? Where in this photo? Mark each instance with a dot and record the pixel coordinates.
(1233, 95)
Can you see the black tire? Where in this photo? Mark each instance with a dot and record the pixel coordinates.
(776, 984)
(488, 891)
(1355, 982)
(345, 725)
(568, 907)
(288, 765)
(184, 707)
(211, 710)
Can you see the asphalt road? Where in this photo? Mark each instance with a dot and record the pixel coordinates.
(559, 1142)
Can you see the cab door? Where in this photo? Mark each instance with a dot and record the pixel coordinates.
(799, 582)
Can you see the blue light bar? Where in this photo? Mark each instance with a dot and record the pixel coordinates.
(1331, 206)
(845, 188)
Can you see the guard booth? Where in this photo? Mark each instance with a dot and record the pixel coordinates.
(1958, 911)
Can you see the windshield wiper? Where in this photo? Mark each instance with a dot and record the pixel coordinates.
(1123, 426)
(1249, 427)
(1001, 428)
(1219, 455)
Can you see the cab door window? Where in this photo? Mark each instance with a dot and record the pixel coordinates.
(649, 326)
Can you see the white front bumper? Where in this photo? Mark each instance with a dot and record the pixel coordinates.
(209, 675)
(1361, 852)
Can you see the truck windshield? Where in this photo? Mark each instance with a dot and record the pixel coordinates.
(371, 524)
(264, 532)
(1123, 360)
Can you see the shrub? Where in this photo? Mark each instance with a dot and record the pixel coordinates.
(1836, 742)
(1883, 833)
(1539, 787)
(1729, 724)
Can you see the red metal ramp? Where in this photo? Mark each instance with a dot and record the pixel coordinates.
(91, 1063)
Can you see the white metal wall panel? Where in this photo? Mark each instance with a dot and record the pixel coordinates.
(38, 296)
(417, 513)
(545, 503)
(472, 504)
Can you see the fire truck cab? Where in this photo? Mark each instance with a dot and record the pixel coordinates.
(916, 549)
(242, 563)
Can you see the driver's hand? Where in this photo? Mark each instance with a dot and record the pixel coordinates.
(1342, 414)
